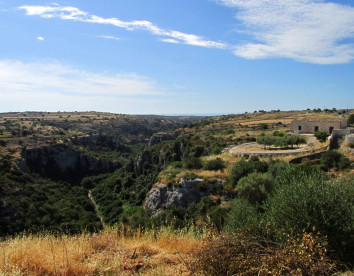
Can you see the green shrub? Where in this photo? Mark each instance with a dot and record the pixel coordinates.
(305, 202)
(228, 131)
(217, 216)
(196, 151)
(243, 168)
(255, 187)
(334, 159)
(321, 135)
(214, 165)
(177, 164)
(242, 215)
(277, 166)
(193, 163)
(278, 133)
(351, 145)
(190, 176)
(217, 149)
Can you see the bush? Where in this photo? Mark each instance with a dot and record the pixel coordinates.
(243, 168)
(305, 202)
(242, 215)
(248, 255)
(216, 149)
(255, 187)
(177, 164)
(215, 165)
(193, 163)
(278, 133)
(351, 145)
(351, 119)
(196, 151)
(321, 136)
(190, 176)
(334, 159)
(228, 131)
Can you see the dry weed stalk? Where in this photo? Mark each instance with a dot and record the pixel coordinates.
(244, 254)
(110, 252)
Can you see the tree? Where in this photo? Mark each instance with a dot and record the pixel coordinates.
(255, 187)
(321, 135)
(214, 165)
(334, 159)
(351, 119)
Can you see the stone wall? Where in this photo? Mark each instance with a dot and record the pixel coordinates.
(349, 138)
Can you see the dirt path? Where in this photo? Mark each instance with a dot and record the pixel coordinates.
(98, 214)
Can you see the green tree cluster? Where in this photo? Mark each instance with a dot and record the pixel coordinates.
(281, 141)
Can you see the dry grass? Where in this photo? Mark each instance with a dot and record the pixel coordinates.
(162, 252)
(110, 252)
(247, 255)
(206, 174)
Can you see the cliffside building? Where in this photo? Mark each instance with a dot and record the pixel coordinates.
(313, 124)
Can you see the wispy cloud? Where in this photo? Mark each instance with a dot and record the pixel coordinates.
(16, 76)
(109, 37)
(51, 86)
(40, 38)
(304, 30)
(170, 36)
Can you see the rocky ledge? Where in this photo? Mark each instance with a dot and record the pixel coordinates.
(162, 196)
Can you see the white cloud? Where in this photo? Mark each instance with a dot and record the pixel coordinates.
(109, 37)
(16, 76)
(304, 30)
(52, 86)
(73, 13)
(40, 38)
(169, 40)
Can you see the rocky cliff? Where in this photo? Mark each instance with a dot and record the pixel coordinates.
(160, 137)
(162, 197)
(63, 163)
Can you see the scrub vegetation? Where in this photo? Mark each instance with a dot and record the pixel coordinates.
(266, 216)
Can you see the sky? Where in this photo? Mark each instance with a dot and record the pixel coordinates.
(176, 56)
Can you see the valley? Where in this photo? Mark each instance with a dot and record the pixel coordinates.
(88, 172)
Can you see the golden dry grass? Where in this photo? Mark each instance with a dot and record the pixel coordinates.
(111, 252)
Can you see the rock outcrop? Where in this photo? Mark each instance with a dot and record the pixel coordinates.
(160, 137)
(62, 162)
(162, 197)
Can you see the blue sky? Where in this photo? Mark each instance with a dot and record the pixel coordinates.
(176, 56)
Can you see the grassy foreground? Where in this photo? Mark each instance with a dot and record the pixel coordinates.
(163, 252)
(110, 252)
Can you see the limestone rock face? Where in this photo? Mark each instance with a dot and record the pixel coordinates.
(162, 197)
(62, 162)
(143, 158)
(160, 137)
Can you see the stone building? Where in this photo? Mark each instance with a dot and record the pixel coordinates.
(312, 124)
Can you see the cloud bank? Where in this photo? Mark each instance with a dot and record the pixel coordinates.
(304, 30)
(169, 36)
(52, 86)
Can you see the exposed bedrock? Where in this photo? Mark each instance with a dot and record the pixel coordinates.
(62, 162)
